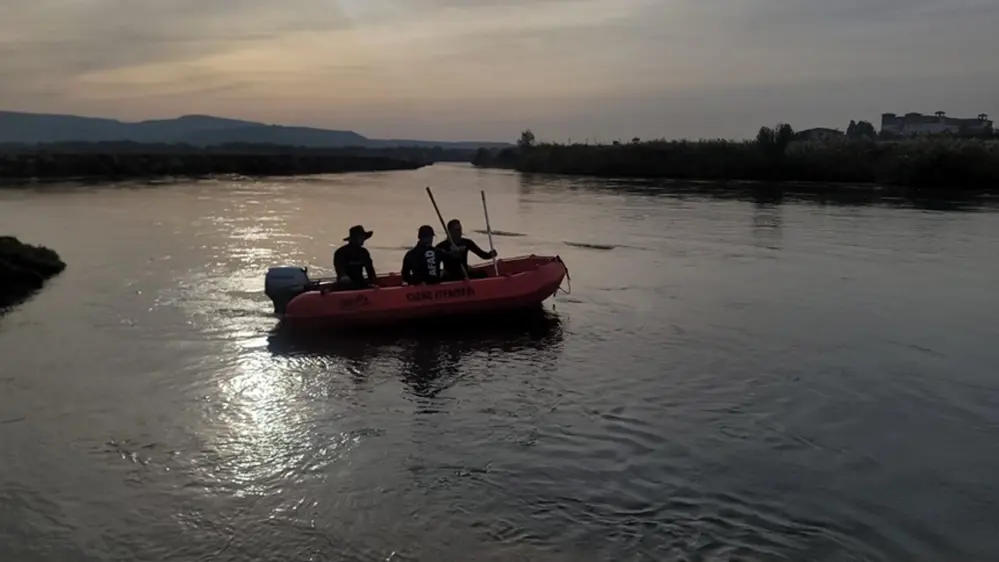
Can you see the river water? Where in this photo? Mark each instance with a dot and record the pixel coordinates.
(728, 379)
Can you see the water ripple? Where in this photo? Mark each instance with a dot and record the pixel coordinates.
(729, 380)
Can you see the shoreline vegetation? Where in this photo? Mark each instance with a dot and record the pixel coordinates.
(128, 160)
(938, 164)
(24, 269)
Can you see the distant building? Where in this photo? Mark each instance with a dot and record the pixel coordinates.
(819, 134)
(912, 124)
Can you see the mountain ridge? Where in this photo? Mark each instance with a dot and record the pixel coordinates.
(195, 129)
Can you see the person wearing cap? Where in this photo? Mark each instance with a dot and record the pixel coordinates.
(422, 264)
(456, 263)
(352, 260)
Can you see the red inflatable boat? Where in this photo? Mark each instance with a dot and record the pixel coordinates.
(523, 282)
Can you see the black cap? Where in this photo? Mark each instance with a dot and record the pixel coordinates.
(357, 231)
(426, 231)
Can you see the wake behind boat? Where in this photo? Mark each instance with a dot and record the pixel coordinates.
(509, 285)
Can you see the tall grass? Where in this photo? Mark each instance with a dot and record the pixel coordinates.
(926, 163)
(134, 160)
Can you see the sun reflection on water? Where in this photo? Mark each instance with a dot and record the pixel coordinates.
(269, 428)
(266, 427)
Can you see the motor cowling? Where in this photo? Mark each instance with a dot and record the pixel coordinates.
(282, 284)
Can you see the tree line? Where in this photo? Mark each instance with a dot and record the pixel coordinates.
(776, 154)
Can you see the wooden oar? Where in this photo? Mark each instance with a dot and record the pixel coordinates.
(446, 231)
(489, 231)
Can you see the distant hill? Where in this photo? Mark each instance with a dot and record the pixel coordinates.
(199, 130)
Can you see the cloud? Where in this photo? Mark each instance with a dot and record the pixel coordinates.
(84, 36)
(481, 68)
(110, 34)
(454, 49)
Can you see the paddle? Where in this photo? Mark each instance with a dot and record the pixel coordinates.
(446, 231)
(489, 231)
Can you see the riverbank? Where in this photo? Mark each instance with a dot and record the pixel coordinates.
(932, 164)
(130, 161)
(24, 268)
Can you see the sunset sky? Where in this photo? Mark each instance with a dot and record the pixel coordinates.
(485, 69)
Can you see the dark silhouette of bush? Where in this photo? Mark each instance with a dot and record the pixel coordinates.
(934, 163)
(526, 140)
(24, 269)
(861, 130)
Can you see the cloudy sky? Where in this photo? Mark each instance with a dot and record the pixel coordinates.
(485, 69)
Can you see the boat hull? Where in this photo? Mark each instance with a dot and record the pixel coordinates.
(523, 282)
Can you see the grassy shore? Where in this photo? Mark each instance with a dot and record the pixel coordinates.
(935, 164)
(130, 160)
(24, 269)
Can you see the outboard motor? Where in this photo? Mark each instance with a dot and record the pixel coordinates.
(285, 283)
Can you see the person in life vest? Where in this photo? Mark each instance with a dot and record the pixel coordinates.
(456, 262)
(423, 263)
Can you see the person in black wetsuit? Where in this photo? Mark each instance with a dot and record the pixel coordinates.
(454, 262)
(422, 264)
(352, 260)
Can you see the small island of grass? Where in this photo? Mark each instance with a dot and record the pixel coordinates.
(24, 268)
(937, 164)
